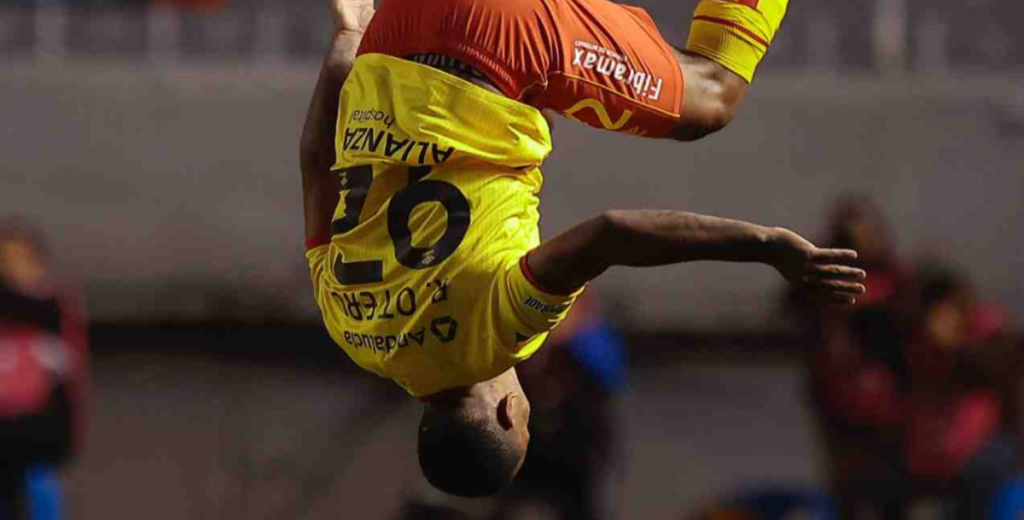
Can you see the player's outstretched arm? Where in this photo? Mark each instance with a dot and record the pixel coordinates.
(647, 238)
(728, 39)
(316, 148)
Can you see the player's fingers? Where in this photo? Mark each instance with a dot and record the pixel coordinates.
(837, 271)
(834, 256)
(841, 286)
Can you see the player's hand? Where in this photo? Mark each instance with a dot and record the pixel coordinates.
(351, 15)
(824, 274)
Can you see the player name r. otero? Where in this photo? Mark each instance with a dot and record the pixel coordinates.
(389, 304)
(366, 139)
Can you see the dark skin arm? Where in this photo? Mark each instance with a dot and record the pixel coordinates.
(647, 238)
(316, 155)
(711, 100)
(316, 149)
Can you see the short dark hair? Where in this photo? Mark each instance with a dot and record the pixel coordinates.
(466, 453)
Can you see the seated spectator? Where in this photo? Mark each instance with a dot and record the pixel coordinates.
(958, 435)
(857, 374)
(42, 368)
(915, 388)
(859, 370)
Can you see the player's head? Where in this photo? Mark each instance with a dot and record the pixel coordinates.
(472, 440)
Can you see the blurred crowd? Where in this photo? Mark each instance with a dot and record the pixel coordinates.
(917, 388)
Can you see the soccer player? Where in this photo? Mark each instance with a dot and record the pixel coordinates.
(421, 173)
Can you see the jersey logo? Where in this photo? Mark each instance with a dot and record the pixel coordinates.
(601, 112)
(444, 328)
(544, 308)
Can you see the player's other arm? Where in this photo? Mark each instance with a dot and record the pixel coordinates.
(316, 148)
(647, 238)
(728, 39)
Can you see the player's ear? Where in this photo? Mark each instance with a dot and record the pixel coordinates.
(506, 411)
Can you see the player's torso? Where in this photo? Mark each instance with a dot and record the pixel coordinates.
(592, 60)
(439, 182)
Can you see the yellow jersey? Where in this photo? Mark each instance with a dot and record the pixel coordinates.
(438, 181)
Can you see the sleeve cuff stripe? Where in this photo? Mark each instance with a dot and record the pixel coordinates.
(524, 266)
(732, 25)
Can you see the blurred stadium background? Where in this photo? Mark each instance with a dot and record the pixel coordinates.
(156, 142)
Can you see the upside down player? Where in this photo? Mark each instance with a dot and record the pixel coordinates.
(420, 161)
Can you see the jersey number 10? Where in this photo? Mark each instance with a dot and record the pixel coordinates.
(403, 202)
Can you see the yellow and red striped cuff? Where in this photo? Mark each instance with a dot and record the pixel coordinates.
(736, 33)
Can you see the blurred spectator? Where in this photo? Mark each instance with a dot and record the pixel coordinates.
(915, 387)
(42, 371)
(858, 374)
(958, 433)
